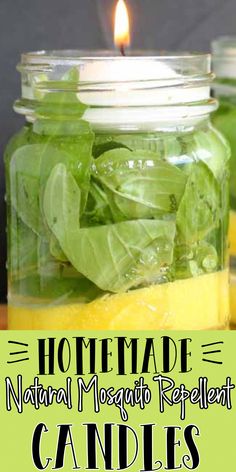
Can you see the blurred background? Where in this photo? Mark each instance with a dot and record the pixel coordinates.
(88, 24)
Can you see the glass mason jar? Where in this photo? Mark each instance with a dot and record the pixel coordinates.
(117, 195)
(224, 87)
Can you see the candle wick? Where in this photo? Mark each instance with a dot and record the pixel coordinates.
(122, 50)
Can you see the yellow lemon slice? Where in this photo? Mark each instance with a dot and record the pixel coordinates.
(196, 303)
(232, 233)
(233, 299)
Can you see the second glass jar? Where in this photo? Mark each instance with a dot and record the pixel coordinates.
(224, 62)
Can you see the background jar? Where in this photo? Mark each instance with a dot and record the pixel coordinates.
(117, 195)
(224, 87)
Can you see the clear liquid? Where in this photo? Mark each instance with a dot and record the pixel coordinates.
(151, 212)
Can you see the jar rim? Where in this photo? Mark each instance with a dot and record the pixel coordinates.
(170, 79)
(104, 54)
(191, 64)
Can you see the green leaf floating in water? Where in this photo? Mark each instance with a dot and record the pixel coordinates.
(211, 148)
(99, 149)
(139, 184)
(225, 121)
(60, 126)
(23, 257)
(56, 251)
(25, 186)
(31, 166)
(61, 205)
(124, 255)
(115, 257)
(63, 102)
(199, 210)
(97, 210)
(73, 151)
(165, 148)
(29, 254)
(194, 260)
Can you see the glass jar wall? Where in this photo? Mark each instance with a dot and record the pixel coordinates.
(117, 196)
(224, 61)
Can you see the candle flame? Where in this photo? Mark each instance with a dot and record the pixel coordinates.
(122, 29)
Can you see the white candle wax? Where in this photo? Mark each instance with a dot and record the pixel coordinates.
(135, 82)
(128, 90)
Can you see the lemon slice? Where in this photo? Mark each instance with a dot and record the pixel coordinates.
(196, 303)
(233, 299)
(232, 233)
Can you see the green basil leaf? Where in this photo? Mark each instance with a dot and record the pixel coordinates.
(31, 166)
(61, 205)
(168, 147)
(62, 103)
(73, 151)
(25, 168)
(199, 210)
(139, 184)
(97, 210)
(56, 251)
(115, 257)
(225, 121)
(57, 290)
(60, 125)
(194, 260)
(125, 255)
(211, 149)
(101, 148)
(29, 253)
(24, 244)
